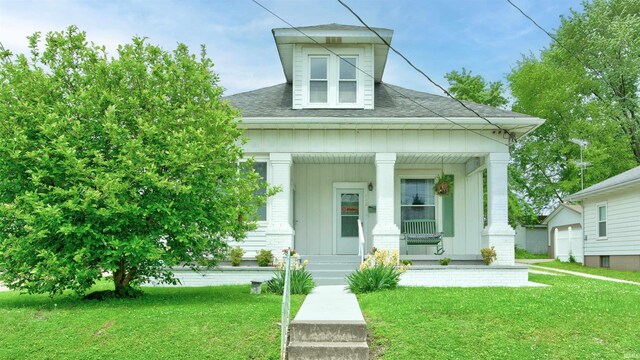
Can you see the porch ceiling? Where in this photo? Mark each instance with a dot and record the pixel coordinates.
(369, 158)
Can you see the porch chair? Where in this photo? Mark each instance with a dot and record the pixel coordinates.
(422, 232)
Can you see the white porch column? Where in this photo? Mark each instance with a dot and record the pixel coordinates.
(279, 231)
(498, 232)
(386, 234)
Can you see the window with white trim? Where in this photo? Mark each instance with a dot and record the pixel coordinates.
(602, 220)
(417, 200)
(333, 81)
(348, 82)
(318, 79)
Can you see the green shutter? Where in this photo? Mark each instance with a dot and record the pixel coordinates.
(447, 210)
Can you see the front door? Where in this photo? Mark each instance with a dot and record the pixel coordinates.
(349, 208)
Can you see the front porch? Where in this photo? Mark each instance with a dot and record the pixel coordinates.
(324, 195)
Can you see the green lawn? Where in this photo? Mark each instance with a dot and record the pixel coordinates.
(575, 318)
(618, 274)
(524, 254)
(188, 323)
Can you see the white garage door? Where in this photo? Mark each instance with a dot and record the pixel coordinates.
(569, 242)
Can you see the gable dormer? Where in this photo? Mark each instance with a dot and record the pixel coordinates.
(336, 68)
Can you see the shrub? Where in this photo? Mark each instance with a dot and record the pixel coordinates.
(264, 257)
(488, 254)
(444, 261)
(236, 256)
(301, 280)
(572, 259)
(380, 271)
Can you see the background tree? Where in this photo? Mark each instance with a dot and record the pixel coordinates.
(586, 86)
(125, 165)
(465, 86)
(474, 88)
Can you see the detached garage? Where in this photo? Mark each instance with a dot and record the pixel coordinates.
(565, 236)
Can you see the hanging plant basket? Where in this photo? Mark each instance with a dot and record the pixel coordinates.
(442, 186)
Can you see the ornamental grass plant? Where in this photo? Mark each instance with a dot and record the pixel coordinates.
(379, 271)
(301, 280)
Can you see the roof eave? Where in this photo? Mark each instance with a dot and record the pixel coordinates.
(581, 195)
(285, 38)
(471, 123)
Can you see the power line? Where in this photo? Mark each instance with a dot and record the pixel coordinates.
(511, 136)
(583, 63)
(388, 87)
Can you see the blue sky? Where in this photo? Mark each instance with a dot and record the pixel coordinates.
(487, 37)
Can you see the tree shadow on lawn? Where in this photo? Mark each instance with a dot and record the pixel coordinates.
(234, 295)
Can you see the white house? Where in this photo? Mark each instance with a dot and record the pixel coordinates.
(342, 144)
(611, 221)
(564, 226)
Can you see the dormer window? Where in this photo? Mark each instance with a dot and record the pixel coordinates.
(348, 83)
(318, 80)
(333, 81)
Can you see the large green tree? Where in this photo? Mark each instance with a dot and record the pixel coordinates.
(466, 86)
(586, 85)
(123, 166)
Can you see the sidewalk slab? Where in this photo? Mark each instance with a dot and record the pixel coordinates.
(330, 303)
(590, 276)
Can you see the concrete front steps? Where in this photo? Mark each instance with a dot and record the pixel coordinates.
(331, 269)
(329, 325)
(328, 340)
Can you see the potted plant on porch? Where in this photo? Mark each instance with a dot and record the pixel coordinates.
(442, 186)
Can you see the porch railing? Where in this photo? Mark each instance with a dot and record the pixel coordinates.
(286, 307)
(361, 241)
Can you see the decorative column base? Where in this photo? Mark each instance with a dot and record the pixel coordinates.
(502, 238)
(387, 238)
(278, 239)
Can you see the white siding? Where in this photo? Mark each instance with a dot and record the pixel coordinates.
(473, 217)
(367, 81)
(255, 241)
(314, 211)
(298, 77)
(314, 203)
(623, 224)
(371, 141)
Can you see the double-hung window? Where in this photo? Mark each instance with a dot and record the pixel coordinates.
(348, 83)
(417, 200)
(602, 220)
(333, 81)
(318, 79)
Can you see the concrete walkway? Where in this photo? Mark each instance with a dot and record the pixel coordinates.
(590, 276)
(330, 303)
(329, 325)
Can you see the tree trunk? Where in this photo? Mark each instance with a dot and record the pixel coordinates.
(122, 281)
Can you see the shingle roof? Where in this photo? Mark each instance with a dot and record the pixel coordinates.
(627, 177)
(390, 102)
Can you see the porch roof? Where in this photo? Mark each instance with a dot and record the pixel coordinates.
(369, 158)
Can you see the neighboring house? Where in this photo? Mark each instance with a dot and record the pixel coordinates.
(612, 221)
(343, 145)
(532, 238)
(565, 232)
